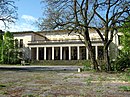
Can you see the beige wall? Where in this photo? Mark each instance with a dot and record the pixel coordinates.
(26, 38)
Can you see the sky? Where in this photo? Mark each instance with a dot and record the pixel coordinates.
(28, 12)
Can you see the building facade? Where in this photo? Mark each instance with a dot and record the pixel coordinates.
(61, 45)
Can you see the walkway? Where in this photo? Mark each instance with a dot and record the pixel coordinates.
(41, 68)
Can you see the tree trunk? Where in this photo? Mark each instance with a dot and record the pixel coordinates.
(91, 53)
(92, 56)
(106, 60)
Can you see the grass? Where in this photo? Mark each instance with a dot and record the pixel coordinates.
(124, 88)
(62, 84)
(4, 92)
(125, 77)
(29, 95)
(89, 80)
(2, 85)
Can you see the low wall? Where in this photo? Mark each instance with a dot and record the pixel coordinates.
(61, 62)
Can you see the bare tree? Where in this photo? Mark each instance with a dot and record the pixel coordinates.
(78, 16)
(71, 15)
(8, 11)
(111, 13)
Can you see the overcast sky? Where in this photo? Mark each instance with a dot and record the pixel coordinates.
(28, 12)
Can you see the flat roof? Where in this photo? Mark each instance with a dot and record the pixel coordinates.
(51, 31)
(50, 43)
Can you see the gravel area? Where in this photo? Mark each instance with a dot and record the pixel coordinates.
(62, 84)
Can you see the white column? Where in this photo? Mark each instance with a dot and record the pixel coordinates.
(44, 53)
(52, 53)
(96, 51)
(60, 53)
(78, 52)
(37, 54)
(69, 52)
(30, 51)
(64, 56)
(87, 53)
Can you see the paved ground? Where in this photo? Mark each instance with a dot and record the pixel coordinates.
(41, 68)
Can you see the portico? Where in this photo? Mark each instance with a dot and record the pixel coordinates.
(62, 52)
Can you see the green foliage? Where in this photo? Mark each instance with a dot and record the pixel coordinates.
(123, 61)
(9, 54)
(126, 41)
(86, 65)
(124, 88)
(7, 46)
(1, 37)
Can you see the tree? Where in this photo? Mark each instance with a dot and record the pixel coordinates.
(125, 38)
(9, 49)
(8, 11)
(71, 15)
(115, 12)
(1, 42)
(123, 60)
(7, 45)
(78, 16)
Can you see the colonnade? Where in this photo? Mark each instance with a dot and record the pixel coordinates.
(62, 53)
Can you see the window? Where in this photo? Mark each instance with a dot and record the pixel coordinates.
(119, 39)
(100, 53)
(16, 43)
(21, 43)
(20, 55)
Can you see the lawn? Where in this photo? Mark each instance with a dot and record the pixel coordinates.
(63, 84)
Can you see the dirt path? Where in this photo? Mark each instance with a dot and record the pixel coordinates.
(62, 84)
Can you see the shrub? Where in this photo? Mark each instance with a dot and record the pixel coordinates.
(86, 65)
(123, 62)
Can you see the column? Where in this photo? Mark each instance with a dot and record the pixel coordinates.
(44, 53)
(69, 52)
(37, 54)
(96, 51)
(77, 52)
(30, 53)
(60, 53)
(87, 53)
(52, 53)
(64, 56)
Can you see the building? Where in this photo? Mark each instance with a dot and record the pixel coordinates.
(59, 45)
